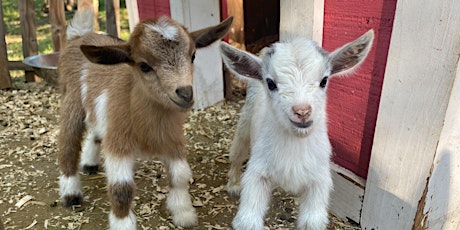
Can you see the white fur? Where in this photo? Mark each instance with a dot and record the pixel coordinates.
(166, 30)
(90, 150)
(70, 186)
(178, 201)
(288, 150)
(100, 110)
(127, 223)
(119, 170)
(84, 86)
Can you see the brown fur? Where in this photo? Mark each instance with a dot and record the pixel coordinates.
(145, 110)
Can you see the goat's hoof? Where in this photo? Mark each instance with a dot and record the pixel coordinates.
(90, 169)
(185, 219)
(234, 190)
(72, 200)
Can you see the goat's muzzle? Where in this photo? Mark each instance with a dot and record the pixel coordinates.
(185, 94)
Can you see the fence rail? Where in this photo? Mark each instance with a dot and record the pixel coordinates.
(29, 37)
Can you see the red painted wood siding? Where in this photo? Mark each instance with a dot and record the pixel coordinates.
(353, 102)
(153, 8)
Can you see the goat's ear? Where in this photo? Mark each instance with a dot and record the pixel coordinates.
(346, 58)
(107, 55)
(241, 63)
(206, 36)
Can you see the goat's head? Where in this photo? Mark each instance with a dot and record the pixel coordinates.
(294, 76)
(161, 54)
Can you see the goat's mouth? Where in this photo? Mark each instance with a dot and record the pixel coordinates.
(302, 125)
(184, 104)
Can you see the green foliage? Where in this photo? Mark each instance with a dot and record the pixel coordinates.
(44, 38)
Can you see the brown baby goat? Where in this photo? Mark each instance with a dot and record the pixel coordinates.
(129, 98)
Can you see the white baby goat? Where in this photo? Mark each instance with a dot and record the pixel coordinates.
(131, 97)
(283, 125)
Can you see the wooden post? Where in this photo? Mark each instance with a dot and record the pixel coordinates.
(412, 129)
(208, 75)
(29, 36)
(58, 24)
(236, 32)
(112, 10)
(5, 78)
(302, 18)
(133, 14)
(441, 206)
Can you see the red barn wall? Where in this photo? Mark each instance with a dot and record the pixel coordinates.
(353, 102)
(153, 8)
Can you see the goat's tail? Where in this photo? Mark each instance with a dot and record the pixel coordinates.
(81, 24)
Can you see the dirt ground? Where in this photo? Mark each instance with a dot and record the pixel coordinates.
(29, 175)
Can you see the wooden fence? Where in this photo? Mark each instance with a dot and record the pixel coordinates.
(58, 25)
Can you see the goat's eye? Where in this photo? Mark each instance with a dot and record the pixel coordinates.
(193, 57)
(145, 67)
(323, 82)
(271, 84)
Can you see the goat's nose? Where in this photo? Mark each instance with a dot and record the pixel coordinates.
(302, 111)
(185, 93)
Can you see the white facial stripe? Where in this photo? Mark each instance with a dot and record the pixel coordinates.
(162, 26)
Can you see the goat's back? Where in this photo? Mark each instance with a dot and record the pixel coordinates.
(72, 60)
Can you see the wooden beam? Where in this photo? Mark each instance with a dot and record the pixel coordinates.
(302, 18)
(29, 36)
(112, 10)
(58, 24)
(236, 32)
(208, 74)
(19, 65)
(419, 75)
(441, 202)
(133, 14)
(5, 78)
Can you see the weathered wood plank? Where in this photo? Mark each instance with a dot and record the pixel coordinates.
(347, 197)
(18, 65)
(133, 14)
(112, 10)
(420, 71)
(302, 18)
(58, 24)
(5, 78)
(208, 74)
(29, 35)
(442, 203)
(236, 33)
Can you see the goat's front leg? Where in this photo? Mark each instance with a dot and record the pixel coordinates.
(313, 204)
(179, 202)
(255, 197)
(121, 188)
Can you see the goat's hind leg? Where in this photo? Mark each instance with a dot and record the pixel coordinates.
(69, 145)
(89, 161)
(239, 153)
(179, 202)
